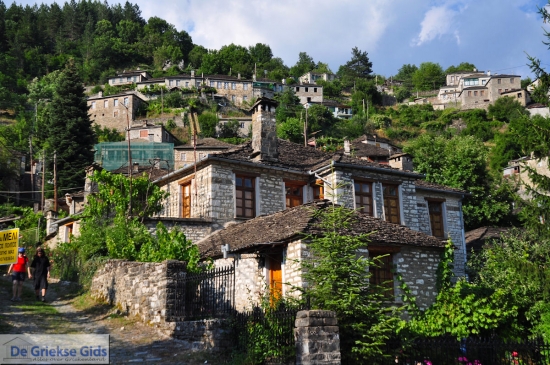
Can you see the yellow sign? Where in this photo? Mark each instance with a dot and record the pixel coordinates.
(9, 241)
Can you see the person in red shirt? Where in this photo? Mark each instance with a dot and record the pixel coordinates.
(18, 275)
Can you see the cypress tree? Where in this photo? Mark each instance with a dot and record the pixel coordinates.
(69, 129)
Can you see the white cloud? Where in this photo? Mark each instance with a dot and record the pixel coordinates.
(437, 22)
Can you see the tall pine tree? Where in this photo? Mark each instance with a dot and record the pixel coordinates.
(69, 129)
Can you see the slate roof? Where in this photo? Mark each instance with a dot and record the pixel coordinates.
(369, 150)
(476, 238)
(423, 184)
(151, 172)
(206, 143)
(293, 223)
(297, 157)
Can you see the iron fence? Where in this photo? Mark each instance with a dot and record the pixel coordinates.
(266, 336)
(474, 351)
(205, 295)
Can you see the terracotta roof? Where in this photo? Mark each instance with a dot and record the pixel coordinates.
(423, 184)
(206, 143)
(295, 222)
(476, 238)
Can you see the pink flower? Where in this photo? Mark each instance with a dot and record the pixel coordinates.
(514, 354)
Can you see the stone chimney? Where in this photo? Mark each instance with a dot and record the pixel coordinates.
(264, 130)
(401, 161)
(239, 76)
(347, 149)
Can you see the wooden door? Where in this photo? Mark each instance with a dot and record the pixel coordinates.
(275, 276)
(186, 200)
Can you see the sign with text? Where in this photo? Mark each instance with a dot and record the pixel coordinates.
(9, 241)
(52, 349)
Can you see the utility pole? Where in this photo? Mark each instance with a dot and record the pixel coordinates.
(55, 181)
(305, 127)
(161, 106)
(130, 167)
(43, 179)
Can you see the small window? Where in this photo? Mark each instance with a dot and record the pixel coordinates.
(391, 203)
(170, 82)
(481, 93)
(93, 104)
(381, 273)
(115, 102)
(475, 93)
(126, 101)
(309, 99)
(226, 85)
(219, 84)
(128, 79)
(245, 98)
(144, 133)
(186, 200)
(294, 195)
(307, 89)
(436, 218)
(115, 113)
(511, 80)
(314, 89)
(469, 93)
(363, 197)
(452, 79)
(177, 82)
(233, 86)
(245, 196)
(297, 89)
(187, 84)
(183, 156)
(318, 190)
(245, 86)
(106, 103)
(519, 95)
(233, 99)
(211, 84)
(242, 125)
(498, 81)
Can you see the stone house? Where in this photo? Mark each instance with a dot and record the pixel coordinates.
(308, 93)
(312, 77)
(184, 155)
(114, 111)
(151, 132)
(518, 171)
(267, 251)
(234, 89)
(129, 77)
(339, 110)
(245, 123)
(373, 149)
(268, 176)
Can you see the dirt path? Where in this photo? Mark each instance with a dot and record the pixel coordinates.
(130, 341)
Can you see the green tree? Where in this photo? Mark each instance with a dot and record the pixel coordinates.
(196, 55)
(68, 129)
(260, 53)
(208, 122)
(505, 109)
(405, 74)
(338, 280)
(292, 129)
(358, 67)
(429, 76)
(464, 66)
(305, 64)
(289, 106)
(461, 162)
(229, 129)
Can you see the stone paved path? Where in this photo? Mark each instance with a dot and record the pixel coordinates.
(130, 341)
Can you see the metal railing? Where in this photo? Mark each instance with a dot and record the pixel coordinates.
(205, 295)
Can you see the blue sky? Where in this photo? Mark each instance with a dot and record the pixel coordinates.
(494, 35)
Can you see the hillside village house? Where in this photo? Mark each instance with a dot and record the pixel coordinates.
(185, 154)
(240, 193)
(312, 77)
(114, 111)
(337, 109)
(479, 89)
(129, 77)
(233, 88)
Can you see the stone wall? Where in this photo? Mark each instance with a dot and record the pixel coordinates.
(195, 229)
(103, 112)
(418, 266)
(317, 338)
(144, 289)
(139, 288)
